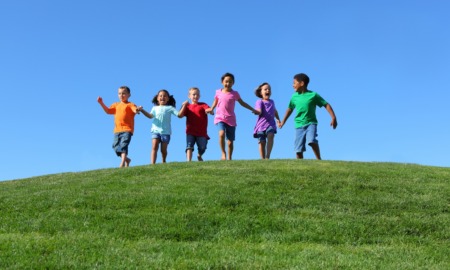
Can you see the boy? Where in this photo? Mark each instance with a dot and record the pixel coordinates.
(196, 125)
(124, 112)
(305, 102)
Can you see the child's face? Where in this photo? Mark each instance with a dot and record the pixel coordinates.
(194, 96)
(163, 98)
(297, 85)
(123, 95)
(227, 82)
(265, 92)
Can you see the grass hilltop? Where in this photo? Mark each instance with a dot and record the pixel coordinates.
(256, 214)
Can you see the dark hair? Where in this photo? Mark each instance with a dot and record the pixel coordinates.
(171, 101)
(302, 77)
(227, 75)
(125, 88)
(258, 90)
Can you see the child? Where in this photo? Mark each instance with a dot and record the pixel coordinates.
(196, 125)
(124, 112)
(265, 127)
(225, 100)
(305, 102)
(161, 125)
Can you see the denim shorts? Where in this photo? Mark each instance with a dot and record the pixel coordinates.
(306, 134)
(262, 135)
(121, 142)
(165, 138)
(200, 141)
(230, 131)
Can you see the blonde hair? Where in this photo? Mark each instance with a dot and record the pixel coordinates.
(194, 88)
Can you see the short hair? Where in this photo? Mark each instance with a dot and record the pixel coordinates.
(194, 88)
(302, 77)
(259, 89)
(124, 87)
(227, 75)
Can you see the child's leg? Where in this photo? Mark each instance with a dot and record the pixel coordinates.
(230, 134)
(190, 143)
(270, 137)
(262, 149)
(120, 145)
(312, 141)
(230, 149)
(299, 143)
(202, 143)
(123, 157)
(164, 151)
(125, 160)
(155, 147)
(316, 150)
(188, 154)
(222, 144)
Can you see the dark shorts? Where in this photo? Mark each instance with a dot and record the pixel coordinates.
(165, 138)
(262, 135)
(201, 142)
(121, 142)
(230, 131)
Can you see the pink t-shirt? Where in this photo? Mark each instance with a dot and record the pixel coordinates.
(225, 107)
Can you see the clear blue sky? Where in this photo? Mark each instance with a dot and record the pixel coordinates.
(384, 66)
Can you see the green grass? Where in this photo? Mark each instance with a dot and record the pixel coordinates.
(259, 214)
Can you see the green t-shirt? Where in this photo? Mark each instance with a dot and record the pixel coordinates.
(305, 106)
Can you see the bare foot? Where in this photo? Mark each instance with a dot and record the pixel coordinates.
(127, 162)
(224, 157)
(199, 158)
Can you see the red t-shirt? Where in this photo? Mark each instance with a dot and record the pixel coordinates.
(196, 119)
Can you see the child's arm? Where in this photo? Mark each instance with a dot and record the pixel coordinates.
(213, 106)
(144, 112)
(277, 117)
(285, 118)
(183, 107)
(245, 105)
(333, 116)
(105, 108)
(137, 109)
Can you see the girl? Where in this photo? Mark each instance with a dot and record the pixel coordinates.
(225, 119)
(161, 125)
(265, 127)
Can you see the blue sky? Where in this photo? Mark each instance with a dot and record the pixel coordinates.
(384, 66)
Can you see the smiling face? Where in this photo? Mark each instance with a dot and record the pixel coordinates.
(194, 95)
(266, 92)
(227, 83)
(297, 85)
(162, 98)
(124, 95)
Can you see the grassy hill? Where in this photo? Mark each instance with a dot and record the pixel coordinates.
(259, 214)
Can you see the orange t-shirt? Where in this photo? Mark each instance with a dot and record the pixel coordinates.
(123, 116)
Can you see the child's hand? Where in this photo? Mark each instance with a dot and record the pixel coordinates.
(333, 123)
(139, 109)
(256, 112)
(185, 103)
(100, 100)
